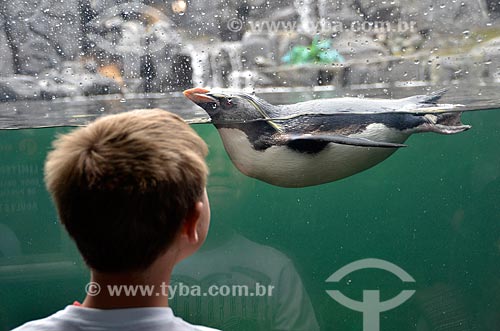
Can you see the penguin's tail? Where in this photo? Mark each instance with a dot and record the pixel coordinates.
(438, 118)
(443, 123)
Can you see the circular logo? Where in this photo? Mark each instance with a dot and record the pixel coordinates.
(235, 24)
(92, 289)
(132, 28)
(371, 306)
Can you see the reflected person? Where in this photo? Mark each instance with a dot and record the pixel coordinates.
(276, 298)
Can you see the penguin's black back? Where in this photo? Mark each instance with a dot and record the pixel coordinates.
(263, 135)
(346, 124)
(338, 116)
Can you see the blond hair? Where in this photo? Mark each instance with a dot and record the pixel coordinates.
(123, 185)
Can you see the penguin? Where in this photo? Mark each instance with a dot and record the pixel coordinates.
(323, 140)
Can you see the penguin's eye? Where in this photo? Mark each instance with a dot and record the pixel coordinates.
(228, 103)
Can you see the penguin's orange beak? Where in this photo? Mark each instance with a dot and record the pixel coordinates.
(199, 95)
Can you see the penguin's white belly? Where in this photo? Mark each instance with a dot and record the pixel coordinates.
(282, 166)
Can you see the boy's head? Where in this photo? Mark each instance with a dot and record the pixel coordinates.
(126, 185)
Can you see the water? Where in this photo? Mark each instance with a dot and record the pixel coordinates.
(432, 209)
(218, 65)
(79, 111)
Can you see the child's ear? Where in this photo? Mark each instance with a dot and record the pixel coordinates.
(190, 224)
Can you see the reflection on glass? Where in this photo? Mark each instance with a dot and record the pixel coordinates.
(9, 244)
(279, 300)
(276, 300)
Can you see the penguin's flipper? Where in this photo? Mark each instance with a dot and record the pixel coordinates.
(312, 143)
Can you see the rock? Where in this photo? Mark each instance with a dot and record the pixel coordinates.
(140, 39)
(176, 76)
(19, 87)
(284, 14)
(344, 12)
(181, 76)
(61, 83)
(368, 73)
(218, 63)
(270, 10)
(493, 9)
(43, 33)
(487, 58)
(7, 67)
(402, 44)
(202, 18)
(359, 47)
(73, 80)
(259, 47)
(51, 89)
(385, 11)
(294, 76)
(95, 84)
(449, 17)
(445, 69)
(59, 23)
(406, 70)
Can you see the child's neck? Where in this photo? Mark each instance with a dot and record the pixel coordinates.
(150, 287)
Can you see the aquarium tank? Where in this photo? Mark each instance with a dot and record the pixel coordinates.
(411, 243)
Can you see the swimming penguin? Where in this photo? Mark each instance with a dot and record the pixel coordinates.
(322, 140)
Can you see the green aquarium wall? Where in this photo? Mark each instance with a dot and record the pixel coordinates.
(431, 209)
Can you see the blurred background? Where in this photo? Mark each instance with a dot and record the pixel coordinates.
(53, 49)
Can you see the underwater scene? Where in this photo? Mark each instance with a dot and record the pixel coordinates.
(431, 209)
